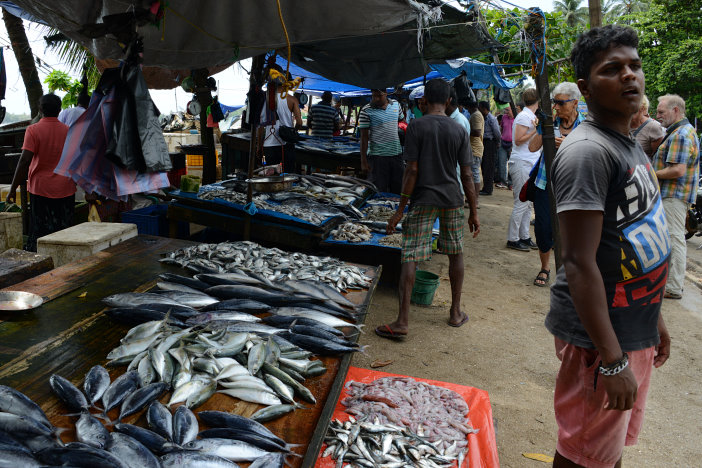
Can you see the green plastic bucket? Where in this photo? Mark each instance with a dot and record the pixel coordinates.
(425, 284)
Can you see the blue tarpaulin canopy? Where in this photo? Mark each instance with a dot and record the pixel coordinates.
(315, 85)
(481, 74)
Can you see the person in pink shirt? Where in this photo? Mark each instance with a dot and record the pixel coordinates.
(503, 152)
(51, 196)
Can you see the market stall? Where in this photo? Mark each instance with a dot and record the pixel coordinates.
(334, 155)
(70, 333)
(365, 240)
(298, 217)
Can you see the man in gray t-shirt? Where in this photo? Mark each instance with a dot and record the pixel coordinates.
(605, 304)
(434, 145)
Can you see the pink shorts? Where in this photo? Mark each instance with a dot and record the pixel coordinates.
(588, 434)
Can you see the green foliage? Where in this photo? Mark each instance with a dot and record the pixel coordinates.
(74, 56)
(507, 27)
(62, 81)
(670, 46)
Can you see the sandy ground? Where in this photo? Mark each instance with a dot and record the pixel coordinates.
(506, 350)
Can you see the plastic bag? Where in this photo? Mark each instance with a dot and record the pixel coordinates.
(502, 95)
(93, 215)
(153, 144)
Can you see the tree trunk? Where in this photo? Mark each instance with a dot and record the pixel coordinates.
(25, 60)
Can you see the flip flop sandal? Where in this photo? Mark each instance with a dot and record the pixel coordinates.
(384, 331)
(463, 321)
(540, 281)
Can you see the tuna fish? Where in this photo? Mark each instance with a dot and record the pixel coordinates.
(131, 452)
(96, 382)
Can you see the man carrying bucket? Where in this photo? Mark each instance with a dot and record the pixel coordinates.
(434, 145)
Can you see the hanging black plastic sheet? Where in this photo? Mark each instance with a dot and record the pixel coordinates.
(137, 139)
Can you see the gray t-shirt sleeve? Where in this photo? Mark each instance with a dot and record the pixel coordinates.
(581, 176)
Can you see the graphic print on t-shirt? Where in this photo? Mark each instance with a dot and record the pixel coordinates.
(645, 241)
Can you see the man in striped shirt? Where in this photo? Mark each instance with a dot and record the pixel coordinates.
(323, 119)
(381, 152)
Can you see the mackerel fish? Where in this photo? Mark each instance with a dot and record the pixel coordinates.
(272, 263)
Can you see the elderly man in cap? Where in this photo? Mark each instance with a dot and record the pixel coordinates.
(381, 152)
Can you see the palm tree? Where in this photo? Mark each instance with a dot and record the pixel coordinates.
(627, 7)
(574, 14)
(616, 11)
(25, 60)
(75, 56)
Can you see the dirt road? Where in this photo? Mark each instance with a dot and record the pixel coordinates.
(506, 350)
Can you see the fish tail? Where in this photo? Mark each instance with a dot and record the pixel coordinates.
(289, 446)
(56, 433)
(104, 417)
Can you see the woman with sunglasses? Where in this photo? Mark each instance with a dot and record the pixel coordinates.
(565, 104)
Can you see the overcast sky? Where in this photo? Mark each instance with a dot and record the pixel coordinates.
(233, 82)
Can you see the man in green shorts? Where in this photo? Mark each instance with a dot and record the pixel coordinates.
(434, 145)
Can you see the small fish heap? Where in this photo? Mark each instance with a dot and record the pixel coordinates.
(352, 232)
(273, 265)
(378, 212)
(305, 213)
(209, 192)
(366, 444)
(314, 199)
(430, 422)
(393, 240)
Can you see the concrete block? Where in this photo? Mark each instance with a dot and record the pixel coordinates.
(19, 265)
(10, 231)
(83, 240)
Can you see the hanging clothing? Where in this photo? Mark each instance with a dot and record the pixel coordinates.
(84, 157)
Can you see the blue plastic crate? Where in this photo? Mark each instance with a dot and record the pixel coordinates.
(151, 220)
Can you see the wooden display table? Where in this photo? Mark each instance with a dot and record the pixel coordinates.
(70, 333)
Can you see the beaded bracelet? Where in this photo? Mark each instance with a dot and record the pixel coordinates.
(612, 369)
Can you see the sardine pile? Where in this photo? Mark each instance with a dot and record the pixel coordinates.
(318, 187)
(352, 232)
(301, 212)
(230, 195)
(314, 199)
(378, 212)
(441, 413)
(393, 240)
(372, 444)
(273, 264)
